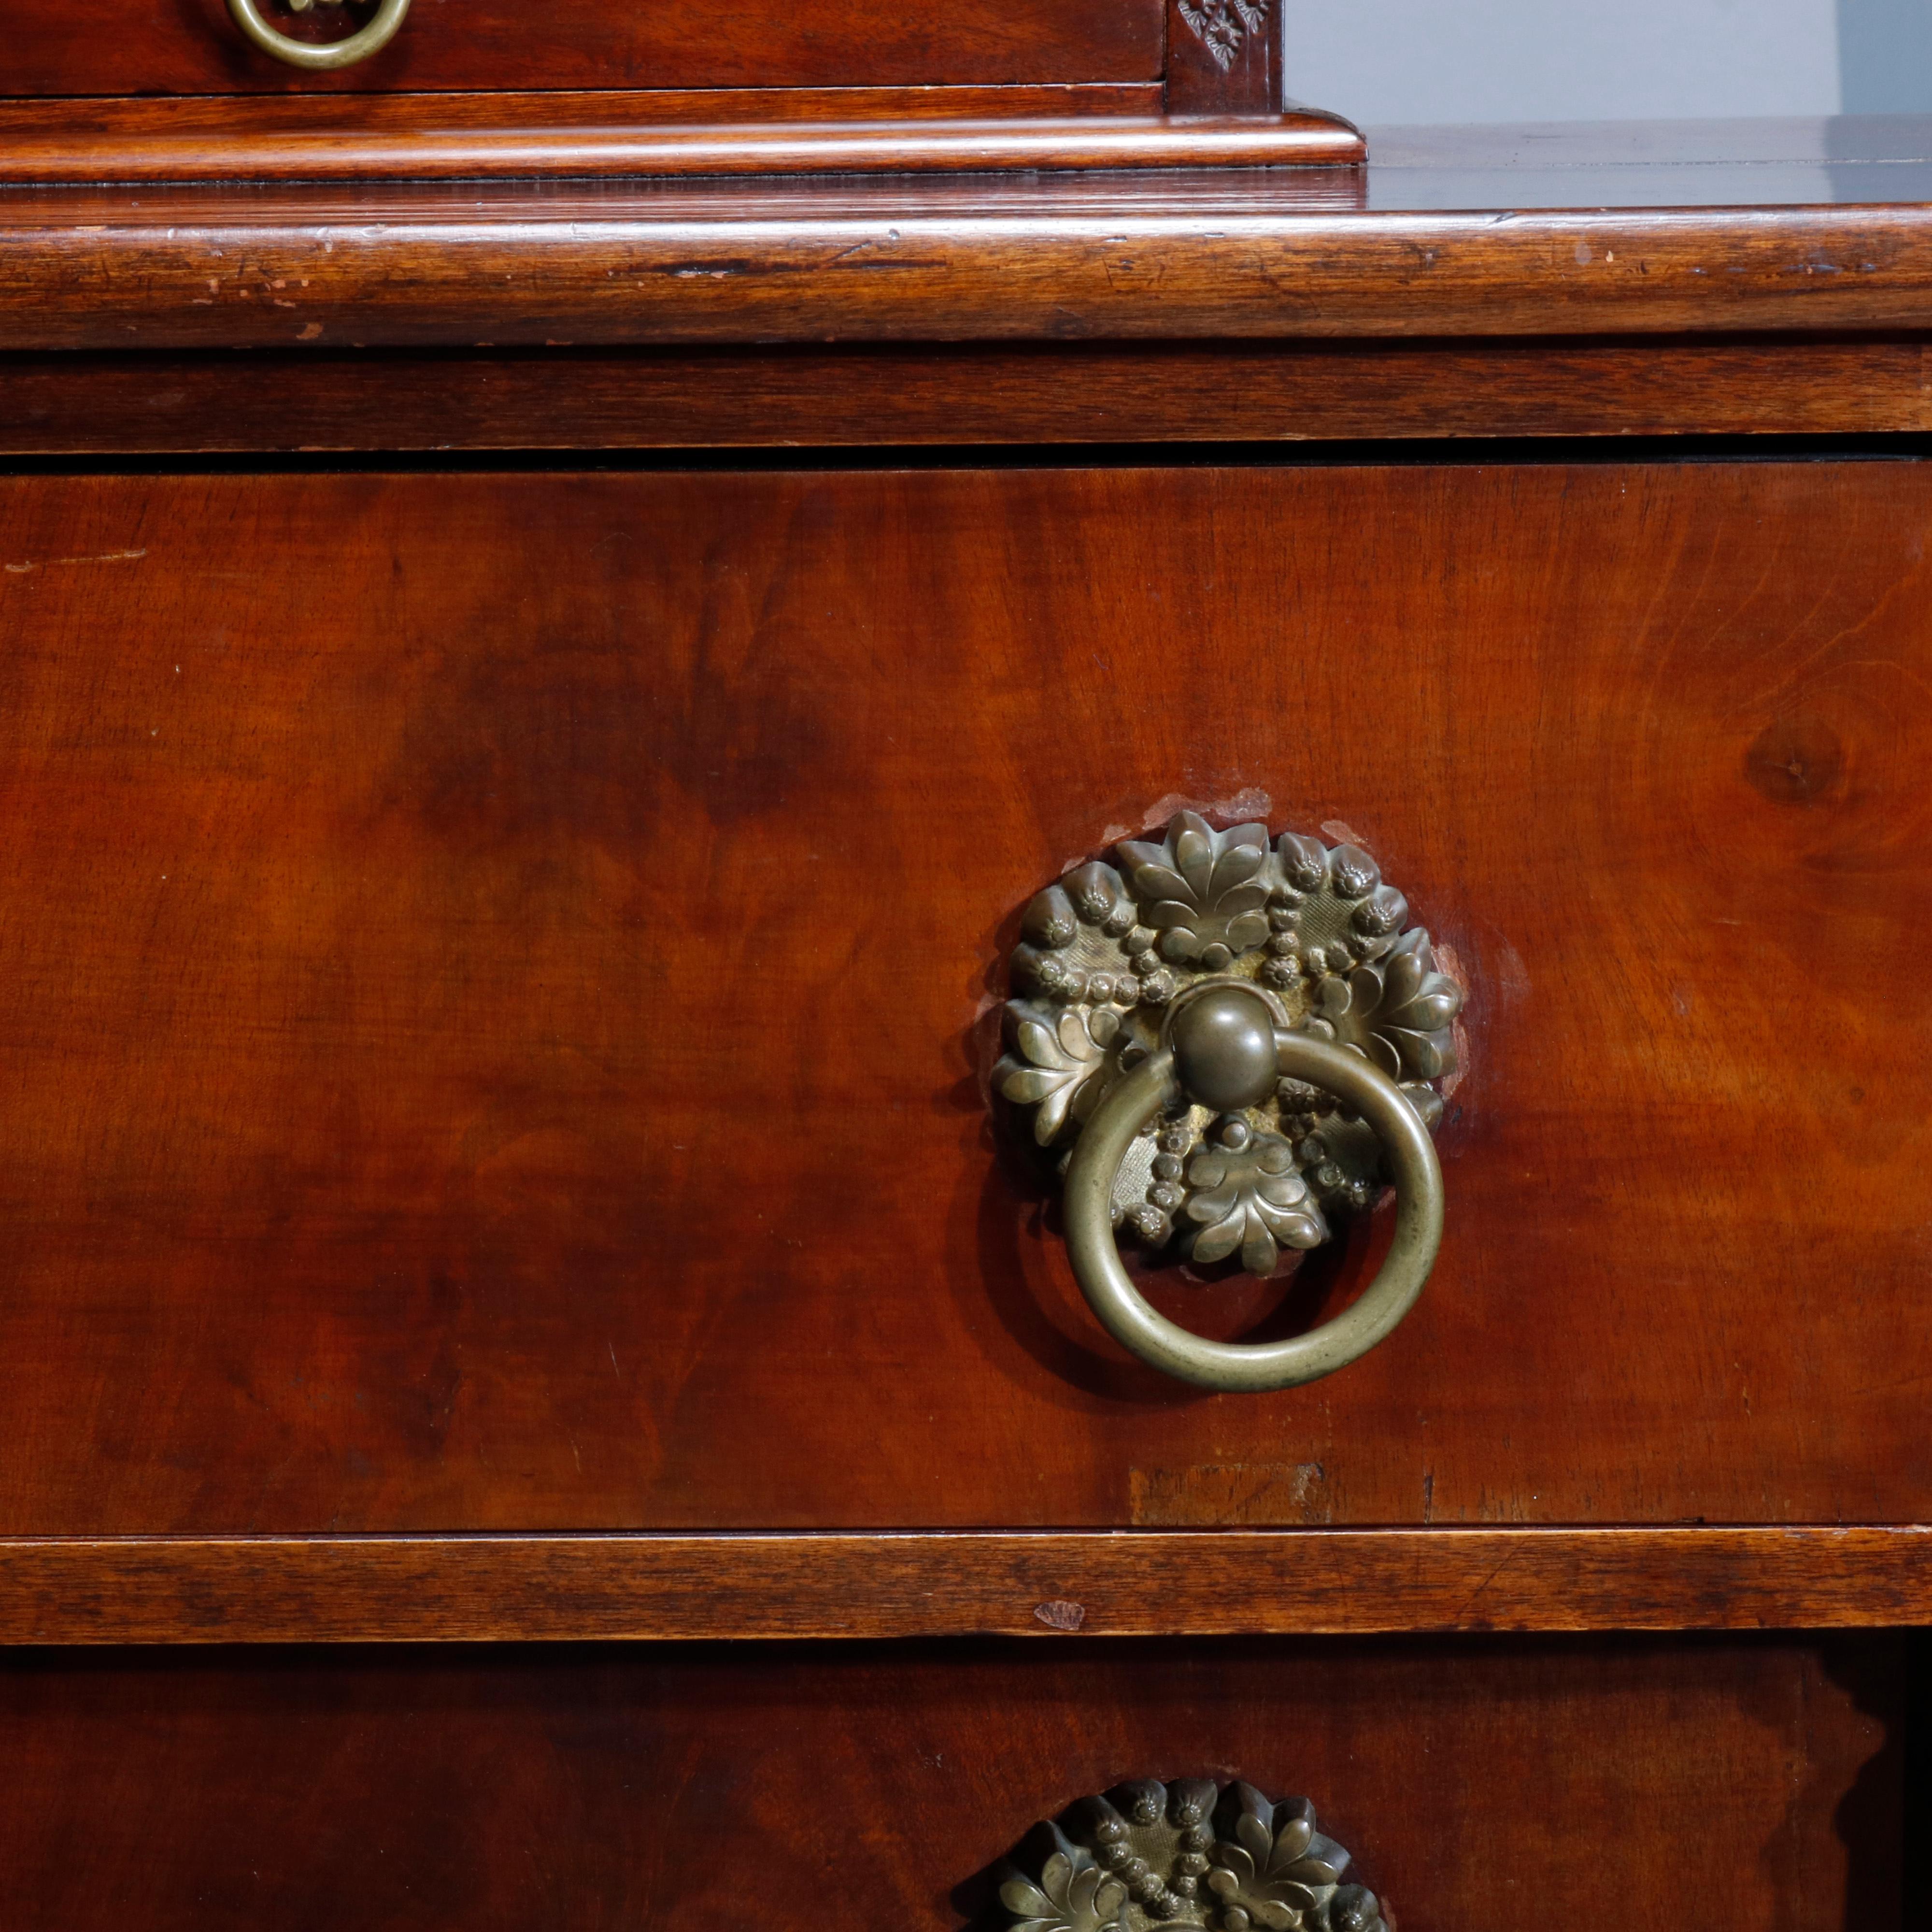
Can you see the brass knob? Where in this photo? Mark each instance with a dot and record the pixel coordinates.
(1234, 1038)
(325, 56)
(1224, 1049)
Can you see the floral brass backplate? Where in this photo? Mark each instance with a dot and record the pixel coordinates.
(1107, 949)
(1149, 1855)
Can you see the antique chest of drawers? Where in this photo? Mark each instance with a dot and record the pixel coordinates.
(940, 993)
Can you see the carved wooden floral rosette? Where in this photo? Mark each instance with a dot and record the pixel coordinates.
(1221, 25)
(1149, 1855)
(1106, 949)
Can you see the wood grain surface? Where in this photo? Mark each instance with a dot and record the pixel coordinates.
(192, 47)
(498, 966)
(1046, 1585)
(1263, 253)
(1044, 392)
(1747, 1784)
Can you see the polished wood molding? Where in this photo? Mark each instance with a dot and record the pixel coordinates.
(504, 1587)
(1258, 255)
(857, 397)
(843, 130)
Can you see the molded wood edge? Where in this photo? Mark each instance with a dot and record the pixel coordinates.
(1255, 255)
(989, 393)
(1081, 143)
(514, 1587)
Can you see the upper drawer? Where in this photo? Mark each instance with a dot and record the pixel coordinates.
(497, 972)
(192, 46)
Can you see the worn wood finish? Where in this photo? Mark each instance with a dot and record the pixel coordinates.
(750, 131)
(1475, 1785)
(1263, 253)
(191, 46)
(496, 1001)
(1045, 1586)
(59, 404)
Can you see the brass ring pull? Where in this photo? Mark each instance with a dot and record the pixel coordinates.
(1226, 1053)
(326, 56)
(1226, 1040)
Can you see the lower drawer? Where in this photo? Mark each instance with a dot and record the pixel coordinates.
(1707, 1784)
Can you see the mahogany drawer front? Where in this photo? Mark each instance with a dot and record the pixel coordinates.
(1752, 1783)
(192, 47)
(498, 971)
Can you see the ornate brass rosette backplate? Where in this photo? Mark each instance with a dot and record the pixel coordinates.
(1191, 1854)
(1107, 952)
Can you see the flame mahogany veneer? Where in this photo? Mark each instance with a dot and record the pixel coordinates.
(494, 1030)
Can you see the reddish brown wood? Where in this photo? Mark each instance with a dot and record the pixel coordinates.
(843, 130)
(497, 966)
(551, 1588)
(219, 130)
(192, 47)
(1263, 253)
(1748, 1784)
(496, 971)
(1093, 393)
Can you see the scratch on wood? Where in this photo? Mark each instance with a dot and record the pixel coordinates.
(53, 562)
(1252, 804)
(1223, 1494)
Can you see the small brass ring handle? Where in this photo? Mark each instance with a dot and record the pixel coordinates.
(322, 57)
(1198, 1068)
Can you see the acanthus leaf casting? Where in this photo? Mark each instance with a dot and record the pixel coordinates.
(1189, 1856)
(1105, 950)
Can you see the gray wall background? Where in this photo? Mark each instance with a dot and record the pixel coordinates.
(1384, 60)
